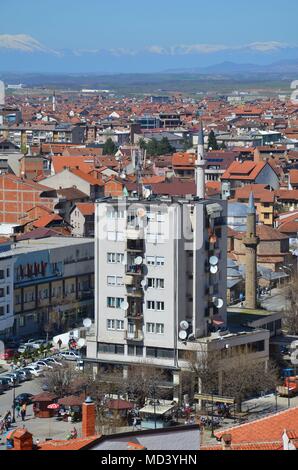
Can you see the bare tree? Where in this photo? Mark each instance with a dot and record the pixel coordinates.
(238, 377)
(290, 317)
(244, 377)
(64, 380)
(144, 381)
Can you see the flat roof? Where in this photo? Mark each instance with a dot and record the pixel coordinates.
(27, 246)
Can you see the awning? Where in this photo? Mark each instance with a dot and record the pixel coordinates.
(157, 410)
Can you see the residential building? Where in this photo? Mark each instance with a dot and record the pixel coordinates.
(241, 174)
(6, 290)
(82, 219)
(53, 283)
(264, 201)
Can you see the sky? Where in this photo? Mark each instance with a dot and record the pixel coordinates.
(138, 35)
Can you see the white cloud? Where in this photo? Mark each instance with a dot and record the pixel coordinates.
(24, 43)
(186, 49)
(267, 46)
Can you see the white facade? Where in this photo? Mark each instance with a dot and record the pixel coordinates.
(152, 271)
(6, 295)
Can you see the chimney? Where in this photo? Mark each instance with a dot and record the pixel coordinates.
(88, 420)
(226, 441)
(22, 440)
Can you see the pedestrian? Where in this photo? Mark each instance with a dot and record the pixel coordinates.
(59, 343)
(18, 409)
(23, 411)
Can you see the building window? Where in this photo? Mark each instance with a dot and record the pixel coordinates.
(150, 305)
(160, 261)
(2, 311)
(113, 258)
(160, 328)
(111, 324)
(2, 274)
(7, 308)
(7, 272)
(150, 327)
(151, 260)
(120, 325)
(160, 306)
(114, 302)
(156, 283)
(2, 293)
(7, 290)
(111, 348)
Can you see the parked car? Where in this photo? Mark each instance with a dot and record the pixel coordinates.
(26, 373)
(52, 361)
(24, 398)
(14, 380)
(70, 356)
(36, 371)
(37, 343)
(26, 347)
(43, 364)
(5, 382)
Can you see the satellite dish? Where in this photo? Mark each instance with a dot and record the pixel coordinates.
(124, 305)
(81, 342)
(214, 269)
(182, 335)
(184, 325)
(143, 283)
(138, 260)
(87, 322)
(141, 212)
(218, 302)
(213, 260)
(147, 193)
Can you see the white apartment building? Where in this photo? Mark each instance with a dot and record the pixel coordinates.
(161, 282)
(6, 292)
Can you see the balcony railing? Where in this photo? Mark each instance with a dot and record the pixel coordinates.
(134, 270)
(135, 292)
(136, 337)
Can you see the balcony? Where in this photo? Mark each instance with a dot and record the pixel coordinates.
(134, 270)
(135, 245)
(135, 292)
(136, 337)
(134, 233)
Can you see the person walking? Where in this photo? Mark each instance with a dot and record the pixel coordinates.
(23, 411)
(18, 409)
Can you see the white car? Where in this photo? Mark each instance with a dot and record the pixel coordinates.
(70, 356)
(36, 372)
(53, 361)
(43, 364)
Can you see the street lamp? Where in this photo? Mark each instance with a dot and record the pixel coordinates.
(13, 400)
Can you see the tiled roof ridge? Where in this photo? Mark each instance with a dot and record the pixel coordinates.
(241, 426)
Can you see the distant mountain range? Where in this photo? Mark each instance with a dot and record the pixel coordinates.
(231, 68)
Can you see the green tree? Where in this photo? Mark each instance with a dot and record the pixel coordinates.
(109, 148)
(164, 147)
(212, 142)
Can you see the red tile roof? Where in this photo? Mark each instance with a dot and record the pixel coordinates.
(73, 444)
(45, 220)
(293, 177)
(266, 430)
(86, 208)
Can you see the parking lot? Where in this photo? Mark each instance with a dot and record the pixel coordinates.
(41, 428)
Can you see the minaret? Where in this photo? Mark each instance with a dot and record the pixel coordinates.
(54, 102)
(200, 165)
(251, 242)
